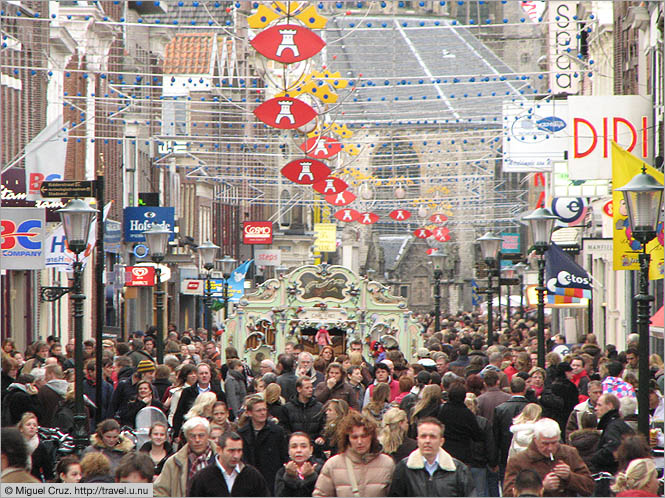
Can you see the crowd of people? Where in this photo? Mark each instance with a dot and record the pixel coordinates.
(460, 419)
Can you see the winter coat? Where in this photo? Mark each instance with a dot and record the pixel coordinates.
(288, 485)
(431, 410)
(451, 478)
(90, 390)
(287, 381)
(276, 410)
(394, 391)
(173, 479)
(125, 392)
(489, 400)
(341, 390)
(50, 397)
(484, 452)
(579, 483)
(461, 428)
(373, 473)
(43, 461)
(18, 401)
(114, 454)
(266, 450)
(35, 362)
(522, 436)
(575, 417)
(16, 475)
(614, 428)
(135, 406)
(307, 417)
(375, 414)
(139, 355)
(503, 420)
(211, 482)
(236, 390)
(5, 382)
(162, 385)
(559, 400)
(147, 447)
(585, 441)
(187, 398)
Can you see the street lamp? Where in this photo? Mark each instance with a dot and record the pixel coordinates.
(157, 239)
(541, 222)
(227, 267)
(76, 217)
(207, 251)
(508, 274)
(520, 268)
(490, 246)
(438, 257)
(644, 200)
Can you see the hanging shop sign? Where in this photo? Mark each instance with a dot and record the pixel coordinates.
(325, 237)
(191, 287)
(305, 171)
(268, 257)
(139, 276)
(23, 233)
(285, 113)
(287, 43)
(139, 219)
(342, 199)
(563, 36)
(321, 147)
(257, 232)
(330, 185)
(13, 194)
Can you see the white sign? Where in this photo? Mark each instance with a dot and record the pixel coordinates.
(563, 47)
(268, 257)
(191, 287)
(535, 135)
(22, 238)
(596, 121)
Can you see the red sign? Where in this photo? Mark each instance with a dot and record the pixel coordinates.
(285, 113)
(442, 234)
(400, 214)
(342, 199)
(608, 209)
(305, 171)
(257, 232)
(422, 233)
(321, 147)
(139, 276)
(330, 185)
(287, 43)
(438, 218)
(368, 218)
(347, 215)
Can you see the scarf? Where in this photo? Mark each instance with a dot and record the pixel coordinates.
(31, 445)
(196, 463)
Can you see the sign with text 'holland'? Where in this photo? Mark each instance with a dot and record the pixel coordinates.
(22, 238)
(139, 219)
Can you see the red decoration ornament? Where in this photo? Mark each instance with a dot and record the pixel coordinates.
(331, 185)
(432, 250)
(285, 113)
(321, 147)
(287, 43)
(442, 234)
(347, 215)
(400, 214)
(342, 199)
(422, 233)
(305, 171)
(438, 218)
(368, 218)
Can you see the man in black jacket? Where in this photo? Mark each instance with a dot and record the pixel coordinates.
(203, 384)
(264, 442)
(304, 413)
(287, 379)
(614, 428)
(212, 481)
(503, 419)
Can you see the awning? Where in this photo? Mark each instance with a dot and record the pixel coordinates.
(657, 319)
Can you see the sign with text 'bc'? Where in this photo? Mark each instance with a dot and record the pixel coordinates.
(257, 232)
(22, 238)
(139, 276)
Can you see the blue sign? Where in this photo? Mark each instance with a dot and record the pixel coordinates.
(236, 283)
(139, 219)
(112, 236)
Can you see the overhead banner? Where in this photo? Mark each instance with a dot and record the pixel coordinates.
(565, 278)
(325, 237)
(626, 249)
(23, 233)
(45, 157)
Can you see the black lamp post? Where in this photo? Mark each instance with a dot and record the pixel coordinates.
(207, 251)
(644, 202)
(541, 222)
(509, 273)
(437, 256)
(227, 268)
(490, 246)
(76, 217)
(157, 239)
(520, 268)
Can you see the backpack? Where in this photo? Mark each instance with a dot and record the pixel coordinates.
(63, 418)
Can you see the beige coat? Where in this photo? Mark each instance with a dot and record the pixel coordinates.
(173, 479)
(373, 473)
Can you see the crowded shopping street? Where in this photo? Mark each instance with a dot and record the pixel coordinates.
(332, 248)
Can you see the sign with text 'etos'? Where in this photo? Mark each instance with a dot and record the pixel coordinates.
(139, 276)
(257, 232)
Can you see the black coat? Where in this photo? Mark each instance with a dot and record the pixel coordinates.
(484, 452)
(125, 392)
(43, 461)
(135, 406)
(558, 401)
(90, 390)
(417, 482)
(287, 485)
(147, 447)
(267, 450)
(211, 482)
(161, 385)
(16, 403)
(404, 450)
(306, 417)
(461, 428)
(187, 399)
(614, 428)
(503, 419)
(287, 381)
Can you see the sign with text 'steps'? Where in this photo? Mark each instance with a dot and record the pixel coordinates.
(257, 232)
(139, 219)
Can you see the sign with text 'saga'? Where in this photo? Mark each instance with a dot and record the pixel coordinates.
(287, 43)
(257, 232)
(285, 113)
(137, 220)
(305, 171)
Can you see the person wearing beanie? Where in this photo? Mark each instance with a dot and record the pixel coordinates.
(127, 388)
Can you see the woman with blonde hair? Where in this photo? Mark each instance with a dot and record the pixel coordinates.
(202, 406)
(273, 396)
(334, 411)
(427, 406)
(522, 428)
(40, 462)
(639, 479)
(393, 436)
(379, 404)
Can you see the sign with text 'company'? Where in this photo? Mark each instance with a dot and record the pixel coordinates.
(139, 219)
(257, 232)
(22, 238)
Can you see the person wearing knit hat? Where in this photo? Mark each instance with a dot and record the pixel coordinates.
(127, 388)
(145, 366)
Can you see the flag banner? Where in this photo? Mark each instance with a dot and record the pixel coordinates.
(236, 283)
(475, 297)
(45, 158)
(564, 277)
(556, 299)
(626, 249)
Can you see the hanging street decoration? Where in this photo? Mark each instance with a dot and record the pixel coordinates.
(422, 233)
(305, 171)
(287, 43)
(368, 218)
(342, 199)
(347, 215)
(330, 185)
(301, 11)
(442, 234)
(438, 218)
(321, 147)
(321, 85)
(400, 214)
(285, 113)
